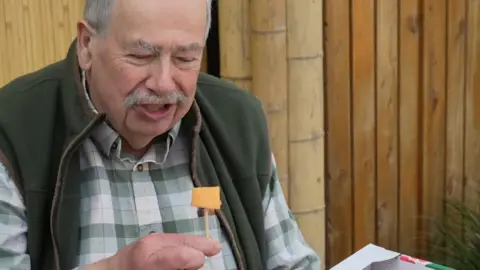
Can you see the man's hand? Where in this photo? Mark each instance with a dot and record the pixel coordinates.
(161, 252)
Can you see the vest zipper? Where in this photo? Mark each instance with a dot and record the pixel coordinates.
(197, 183)
(64, 162)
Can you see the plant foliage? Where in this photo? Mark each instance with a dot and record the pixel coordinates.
(457, 239)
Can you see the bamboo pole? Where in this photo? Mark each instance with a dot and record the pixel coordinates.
(35, 54)
(48, 39)
(306, 119)
(269, 70)
(13, 39)
(234, 28)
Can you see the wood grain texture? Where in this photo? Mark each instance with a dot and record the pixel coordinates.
(433, 117)
(409, 125)
(455, 105)
(364, 124)
(306, 102)
(387, 123)
(339, 131)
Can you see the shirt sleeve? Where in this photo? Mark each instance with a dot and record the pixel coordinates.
(13, 225)
(287, 249)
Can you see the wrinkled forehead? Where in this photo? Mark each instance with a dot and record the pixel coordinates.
(160, 17)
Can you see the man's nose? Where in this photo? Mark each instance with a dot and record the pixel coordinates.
(160, 77)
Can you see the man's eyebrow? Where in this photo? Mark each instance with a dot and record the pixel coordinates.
(193, 47)
(141, 44)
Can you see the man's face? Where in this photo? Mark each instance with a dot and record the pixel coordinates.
(143, 73)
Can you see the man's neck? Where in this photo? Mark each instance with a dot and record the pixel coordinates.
(139, 153)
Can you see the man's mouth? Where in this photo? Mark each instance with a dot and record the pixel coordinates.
(154, 112)
(155, 107)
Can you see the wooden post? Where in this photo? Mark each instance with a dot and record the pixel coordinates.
(234, 30)
(269, 70)
(306, 119)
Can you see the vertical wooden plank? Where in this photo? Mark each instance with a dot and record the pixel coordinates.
(269, 69)
(339, 139)
(30, 41)
(48, 41)
(61, 28)
(434, 128)
(363, 72)
(11, 29)
(456, 40)
(234, 30)
(75, 9)
(20, 44)
(4, 71)
(387, 123)
(75, 14)
(36, 35)
(409, 132)
(472, 139)
(71, 17)
(306, 102)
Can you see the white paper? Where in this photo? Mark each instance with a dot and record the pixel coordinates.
(373, 257)
(363, 259)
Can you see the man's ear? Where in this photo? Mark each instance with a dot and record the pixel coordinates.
(84, 45)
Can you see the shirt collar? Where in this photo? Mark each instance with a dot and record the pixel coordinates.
(108, 140)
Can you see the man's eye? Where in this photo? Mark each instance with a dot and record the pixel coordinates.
(186, 59)
(140, 56)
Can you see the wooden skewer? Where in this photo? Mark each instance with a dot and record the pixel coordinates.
(207, 227)
(205, 218)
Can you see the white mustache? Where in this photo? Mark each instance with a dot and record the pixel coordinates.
(148, 97)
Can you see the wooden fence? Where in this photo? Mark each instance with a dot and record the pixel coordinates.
(402, 118)
(400, 80)
(34, 33)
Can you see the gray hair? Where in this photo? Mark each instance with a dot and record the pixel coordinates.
(97, 14)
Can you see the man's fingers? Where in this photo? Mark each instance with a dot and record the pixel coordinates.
(179, 257)
(209, 247)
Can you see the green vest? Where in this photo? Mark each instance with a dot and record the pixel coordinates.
(44, 120)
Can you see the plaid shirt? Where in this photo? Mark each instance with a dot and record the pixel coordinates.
(124, 198)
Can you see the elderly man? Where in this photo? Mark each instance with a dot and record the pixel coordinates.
(99, 154)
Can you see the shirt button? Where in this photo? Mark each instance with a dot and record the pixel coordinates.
(140, 168)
